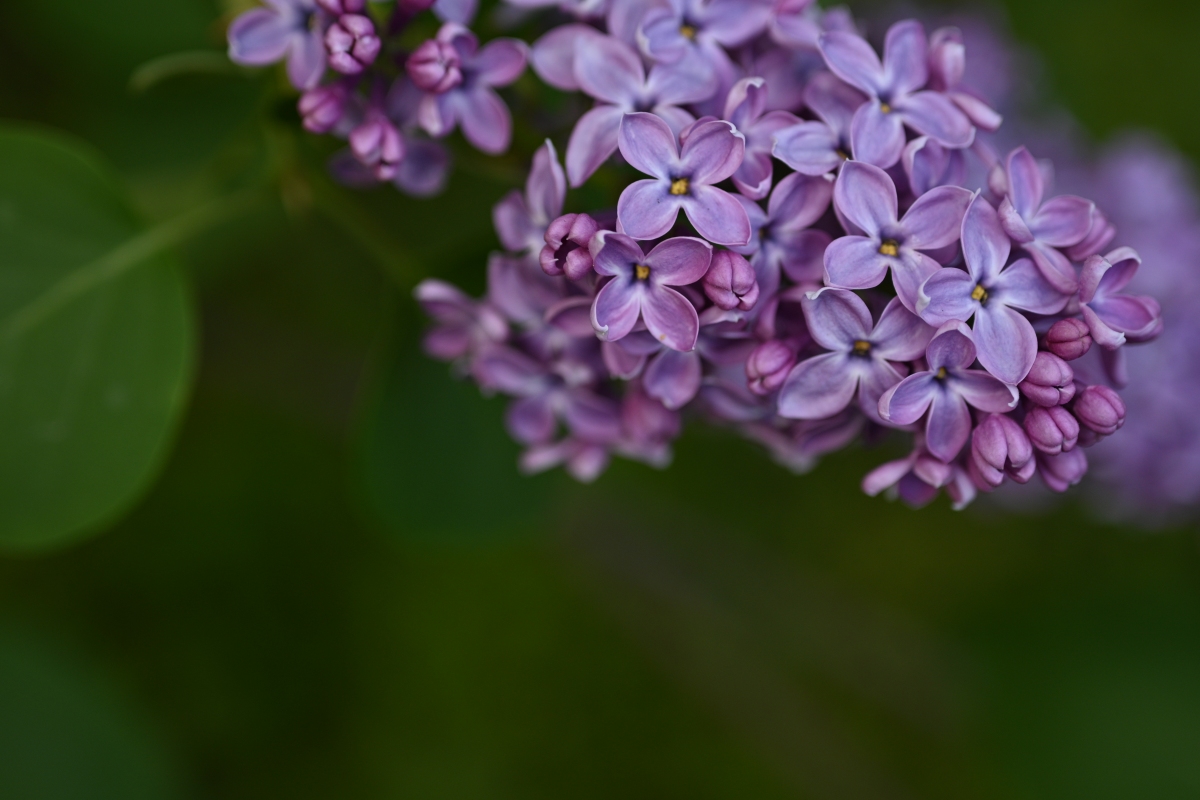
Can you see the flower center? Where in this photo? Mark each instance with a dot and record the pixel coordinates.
(979, 294)
(885, 108)
(641, 272)
(889, 247)
(687, 31)
(862, 347)
(842, 154)
(679, 186)
(940, 374)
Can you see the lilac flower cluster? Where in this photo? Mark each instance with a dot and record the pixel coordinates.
(390, 105)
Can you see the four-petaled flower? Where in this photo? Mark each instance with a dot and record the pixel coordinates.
(291, 29)
(1113, 318)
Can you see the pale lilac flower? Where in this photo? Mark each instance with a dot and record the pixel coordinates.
(999, 448)
(746, 108)
(947, 64)
(865, 197)
(993, 294)
(521, 219)
(860, 361)
(781, 239)
(1113, 318)
(796, 24)
(946, 390)
(610, 71)
(679, 29)
(640, 288)
(820, 146)
(1041, 228)
(713, 151)
(291, 29)
(474, 104)
(917, 479)
(893, 87)
(553, 55)
(352, 44)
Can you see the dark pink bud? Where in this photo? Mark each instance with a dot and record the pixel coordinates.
(768, 366)
(322, 108)
(352, 44)
(1098, 237)
(1101, 409)
(999, 446)
(1068, 338)
(1064, 470)
(377, 144)
(339, 7)
(1052, 430)
(1050, 382)
(566, 251)
(730, 282)
(435, 66)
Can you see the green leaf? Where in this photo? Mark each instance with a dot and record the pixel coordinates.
(96, 340)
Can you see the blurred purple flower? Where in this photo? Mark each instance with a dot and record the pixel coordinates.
(291, 29)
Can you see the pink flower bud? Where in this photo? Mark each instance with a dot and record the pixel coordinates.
(435, 66)
(1050, 382)
(768, 366)
(730, 282)
(566, 251)
(352, 44)
(377, 144)
(322, 108)
(1068, 338)
(1052, 430)
(1064, 470)
(999, 446)
(1101, 409)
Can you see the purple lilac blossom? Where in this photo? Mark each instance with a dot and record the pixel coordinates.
(291, 29)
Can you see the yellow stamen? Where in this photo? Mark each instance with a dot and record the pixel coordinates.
(641, 271)
(885, 108)
(679, 186)
(979, 294)
(941, 374)
(687, 31)
(861, 347)
(889, 247)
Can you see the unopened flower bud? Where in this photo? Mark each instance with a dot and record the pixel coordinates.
(730, 282)
(322, 108)
(1050, 382)
(1052, 430)
(1068, 338)
(435, 66)
(999, 446)
(566, 251)
(352, 44)
(377, 144)
(1064, 470)
(339, 7)
(1101, 409)
(768, 366)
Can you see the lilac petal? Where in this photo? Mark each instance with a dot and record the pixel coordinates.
(925, 162)
(572, 315)
(716, 215)
(1022, 286)
(306, 60)
(900, 335)
(1005, 342)
(609, 70)
(460, 11)
(985, 392)
(949, 425)
(1054, 266)
(875, 379)
(679, 261)
(753, 177)
(908, 273)
(803, 254)
(713, 151)
(648, 145)
(677, 84)
(877, 137)
(1063, 221)
(1101, 334)
(647, 209)
(530, 420)
(853, 60)
(818, 387)
(986, 246)
(832, 101)
(906, 402)
(1127, 314)
(946, 295)
(885, 476)
(1026, 185)
(952, 347)
(505, 370)
(936, 218)
(500, 62)
(854, 262)
(904, 57)
(260, 37)
(615, 254)
(424, 170)
(485, 120)
(616, 309)
(620, 362)
(798, 201)
(592, 142)
(670, 318)
(546, 187)
(746, 102)
(677, 119)
(932, 114)
(673, 378)
(837, 318)
(1123, 265)
(1013, 224)
(660, 36)
(511, 220)
(733, 22)
(591, 417)
(436, 113)
(866, 196)
(553, 55)
(810, 148)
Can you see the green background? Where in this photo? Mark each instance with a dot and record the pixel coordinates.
(339, 587)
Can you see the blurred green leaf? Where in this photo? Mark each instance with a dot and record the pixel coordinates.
(96, 338)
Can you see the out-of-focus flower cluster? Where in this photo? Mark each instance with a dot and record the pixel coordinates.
(826, 242)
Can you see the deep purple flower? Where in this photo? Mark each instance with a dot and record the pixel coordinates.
(1069, 338)
(818, 147)
(1101, 409)
(567, 250)
(462, 325)
(1061, 472)
(640, 287)
(947, 64)
(730, 282)
(1040, 228)
(713, 151)
(1052, 430)
(352, 44)
(1050, 382)
(1000, 447)
(474, 104)
(610, 71)
(435, 66)
(746, 108)
(893, 88)
(1113, 318)
(865, 197)
(945, 390)
(291, 29)
(323, 107)
(860, 357)
(992, 294)
(781, 239)
(521, 220)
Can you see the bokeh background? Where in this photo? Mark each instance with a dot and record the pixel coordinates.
(338, 585)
